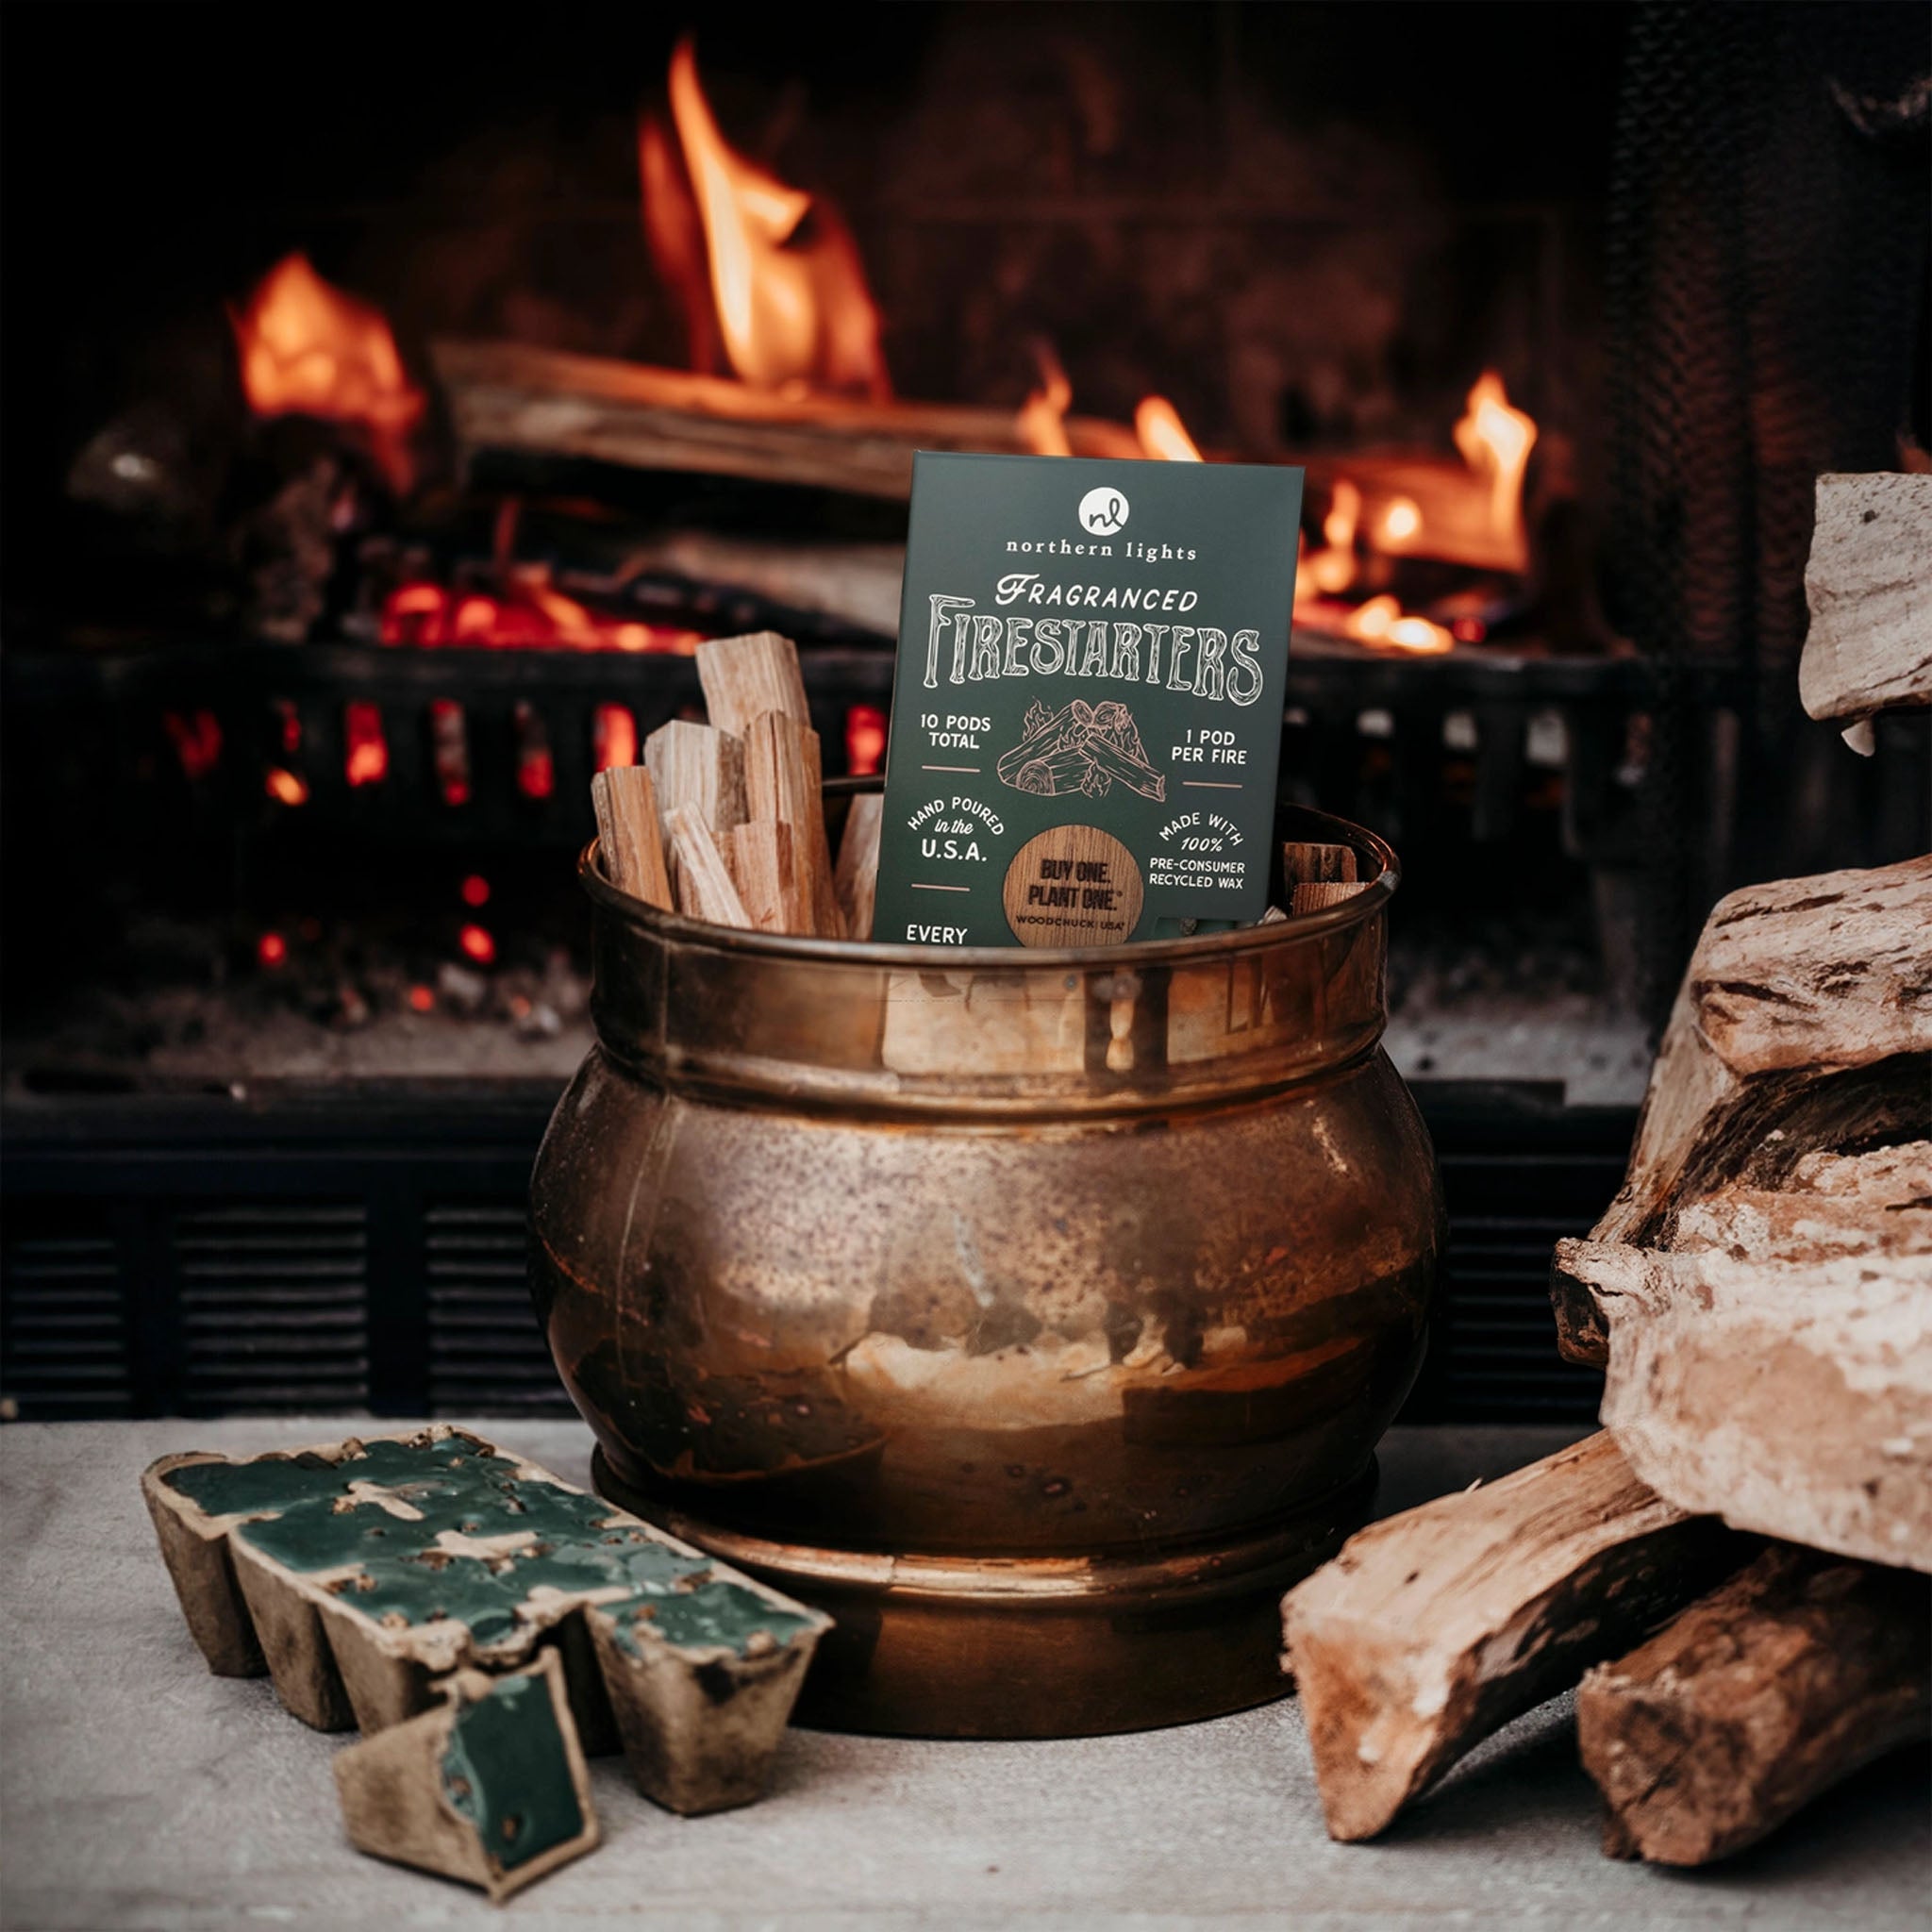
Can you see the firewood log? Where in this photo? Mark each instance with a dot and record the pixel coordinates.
(706, 888)
(508, 396)
(743, 677)
(765, 863)
(1434, 1628)
(1790, 984)
(782, 786)
(698, 766)
(1869, 583)
(857, 875)
(1775, 1367)
(1761, 1695)
(630, 835)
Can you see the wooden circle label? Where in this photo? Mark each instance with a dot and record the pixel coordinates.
(1074, 886)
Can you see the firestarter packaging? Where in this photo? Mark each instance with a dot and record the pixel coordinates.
(1087, 713)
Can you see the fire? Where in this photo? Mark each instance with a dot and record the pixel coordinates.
(1380, 621)
(1399, 524)
(1332, 568)
(613, 737)
(789, 292)
(865, 740)
(284, 786)
(1043, 421)
(478, 944)
(310, 349)
(1162, 433)
(1495, 440)
(528, 614)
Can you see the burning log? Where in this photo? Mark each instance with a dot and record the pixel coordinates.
(506, 396)
(1434, 1628)
(1803, 1320)
(1770, 1689)
(1870, 645)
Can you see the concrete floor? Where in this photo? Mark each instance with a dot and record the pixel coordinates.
(135, 1791)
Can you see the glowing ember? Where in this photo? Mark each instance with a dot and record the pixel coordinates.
(474, 889)
(197, 741)
(422, 1000)
(1495, 441)
(1043, 421)
(271, 949)
(477, 944)
(285, 787)
(1162, 433)
(366, 759)
(1400, 523)
(865, 740)
(528, 616)
(310, 349)
(1381, 621)
(613, 737)
(536, 768)
(792, 304)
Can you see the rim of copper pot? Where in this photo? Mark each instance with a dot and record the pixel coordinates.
(1353, 910)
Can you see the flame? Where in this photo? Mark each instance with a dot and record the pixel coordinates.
(613, 737)
(284, 786)
(1381, 621)
(1332, 568)
(528, 615)
(309, 348)
(1162, 433)
(791, 294)
(1400, 523)
(1042, 420)
(1495, 440)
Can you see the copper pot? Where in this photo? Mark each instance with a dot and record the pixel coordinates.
(1034, 1313)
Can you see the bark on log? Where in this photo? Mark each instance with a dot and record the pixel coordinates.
(508, 396)
(1434, 1628)
(1790, 983)
(1869, 583)
(1776, 1368)
(1770, 1689)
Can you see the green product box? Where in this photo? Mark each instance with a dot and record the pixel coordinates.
(1087, 710)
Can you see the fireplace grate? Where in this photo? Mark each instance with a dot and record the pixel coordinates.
(485, 1351)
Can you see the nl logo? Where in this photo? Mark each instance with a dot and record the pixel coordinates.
(1103, 510)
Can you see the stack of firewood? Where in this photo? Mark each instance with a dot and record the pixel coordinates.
(1734, 1569)
(726, 821)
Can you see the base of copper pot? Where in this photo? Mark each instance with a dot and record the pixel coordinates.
(1037, 1646)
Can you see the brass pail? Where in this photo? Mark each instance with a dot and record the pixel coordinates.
(1036, 1314)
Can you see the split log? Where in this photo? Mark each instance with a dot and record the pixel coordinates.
(1434, 1628)
(1770, 1689)
(369, 1570)
(1869, 583)
(508, 396)
(856, 876)
(489, 1787)
(1775, 1367)
(1312, 864)
(1790, 984)
(698, 766)
(765, 867)
(706, 888)
(1320, 894)
(630, 836)
(782, 784)
(743, 677)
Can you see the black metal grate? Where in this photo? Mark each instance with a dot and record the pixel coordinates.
(63, 1318)
(485, 1351)
(273, 1306)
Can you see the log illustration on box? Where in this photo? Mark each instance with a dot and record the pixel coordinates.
(1083, 748)
(363, 1575)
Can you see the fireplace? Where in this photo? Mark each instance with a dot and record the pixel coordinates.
(370, 476)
